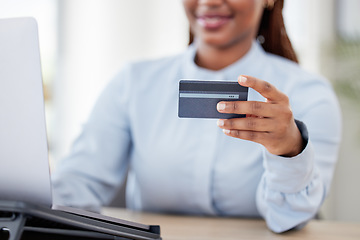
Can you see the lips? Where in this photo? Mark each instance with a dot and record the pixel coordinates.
(212, 22)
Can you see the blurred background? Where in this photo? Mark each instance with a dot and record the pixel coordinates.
(83, 44)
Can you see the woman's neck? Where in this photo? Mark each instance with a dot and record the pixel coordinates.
(216, 58)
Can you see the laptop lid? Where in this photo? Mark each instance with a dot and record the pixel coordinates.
(24, 166)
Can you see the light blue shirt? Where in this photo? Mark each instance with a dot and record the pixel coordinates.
(190, 166)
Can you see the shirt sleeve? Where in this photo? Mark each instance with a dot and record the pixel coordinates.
(98, 161)
(292, 190)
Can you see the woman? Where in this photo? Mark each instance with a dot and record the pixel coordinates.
(276, 163)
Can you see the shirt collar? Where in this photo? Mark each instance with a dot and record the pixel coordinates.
(247, 65)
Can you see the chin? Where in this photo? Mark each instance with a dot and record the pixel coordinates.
(218, 42)
(216, 38)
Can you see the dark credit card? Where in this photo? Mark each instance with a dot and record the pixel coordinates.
(198, 98)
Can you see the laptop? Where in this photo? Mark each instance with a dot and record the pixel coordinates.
(25, 184)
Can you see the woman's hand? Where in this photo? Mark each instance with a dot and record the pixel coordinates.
(269, 123)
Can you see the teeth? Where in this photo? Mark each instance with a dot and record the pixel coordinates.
(212, 20)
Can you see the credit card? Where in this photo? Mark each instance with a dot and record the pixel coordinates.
(198, 98)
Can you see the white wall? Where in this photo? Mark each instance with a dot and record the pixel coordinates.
(311, 28)
(349, 18)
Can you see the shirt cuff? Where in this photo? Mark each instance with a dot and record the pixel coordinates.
(290, 175)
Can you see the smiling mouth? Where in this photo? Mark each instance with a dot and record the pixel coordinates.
(212, 22)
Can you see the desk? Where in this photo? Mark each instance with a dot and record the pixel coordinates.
(175, 227)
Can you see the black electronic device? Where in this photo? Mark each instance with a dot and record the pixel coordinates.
(24, 221)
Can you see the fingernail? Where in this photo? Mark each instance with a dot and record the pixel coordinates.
(221, 106)
(226, 131)
(242, 79)
(220, 123)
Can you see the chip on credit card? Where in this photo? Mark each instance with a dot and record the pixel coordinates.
(198, 98)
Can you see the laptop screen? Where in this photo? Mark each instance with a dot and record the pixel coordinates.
(24, 166)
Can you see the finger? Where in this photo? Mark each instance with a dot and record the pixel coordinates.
(262, 109)
(253, 136)
(248, 124)
(266, 89)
